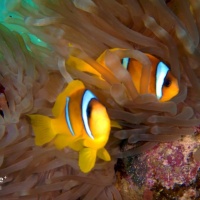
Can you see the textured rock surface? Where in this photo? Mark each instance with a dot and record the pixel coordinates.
(168, 171)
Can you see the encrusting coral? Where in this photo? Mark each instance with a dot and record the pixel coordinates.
(37, 39)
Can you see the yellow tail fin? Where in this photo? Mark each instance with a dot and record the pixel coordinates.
(87, 159)
(42, 129)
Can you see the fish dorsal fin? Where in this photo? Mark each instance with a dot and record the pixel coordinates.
(71, 88)
(87, 159)
(103, 154)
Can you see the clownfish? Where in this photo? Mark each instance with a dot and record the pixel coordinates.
(79, 122)
(162, 83)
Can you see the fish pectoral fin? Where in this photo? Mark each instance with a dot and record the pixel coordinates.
(77, 146)
(103, 154)
(87, 159)
(42, 129)
(115, 124)
(59, 105)
(61, 141)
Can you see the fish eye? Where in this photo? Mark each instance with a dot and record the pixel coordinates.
(167, 82)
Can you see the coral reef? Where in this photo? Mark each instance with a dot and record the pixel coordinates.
(172, 163)
(169, 170)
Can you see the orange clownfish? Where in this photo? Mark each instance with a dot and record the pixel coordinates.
(162, 83)
(80, 122)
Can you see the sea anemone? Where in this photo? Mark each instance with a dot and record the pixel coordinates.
(37, 39)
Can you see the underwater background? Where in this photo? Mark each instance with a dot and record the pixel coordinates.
(154, 151)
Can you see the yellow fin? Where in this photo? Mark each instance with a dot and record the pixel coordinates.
(103, 154)
(42, 129)
(61, 141)
(87, 159)
(115, 124)
(61, 99)
(77, 146)
(82, 66)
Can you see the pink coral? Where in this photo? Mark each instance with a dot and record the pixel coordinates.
(172, 163)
